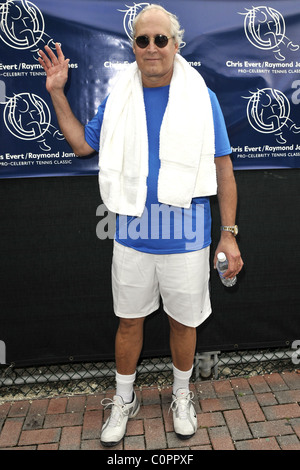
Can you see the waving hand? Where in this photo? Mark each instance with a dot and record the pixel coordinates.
(56, 68)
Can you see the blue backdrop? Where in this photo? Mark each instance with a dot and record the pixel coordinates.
(248, 53)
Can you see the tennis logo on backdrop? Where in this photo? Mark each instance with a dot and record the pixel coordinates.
(27, 117)
(265, 29)
(22, 26)
(130, 14)
(268, 112)
(2, 352)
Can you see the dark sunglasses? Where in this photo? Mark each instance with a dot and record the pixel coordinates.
(160, 40)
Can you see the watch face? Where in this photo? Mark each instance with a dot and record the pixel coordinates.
(236, 230)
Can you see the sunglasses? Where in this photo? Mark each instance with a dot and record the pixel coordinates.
(160, 40)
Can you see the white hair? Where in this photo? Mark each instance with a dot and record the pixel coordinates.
(176, 31)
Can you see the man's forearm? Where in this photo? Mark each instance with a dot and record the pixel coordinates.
(227, 193)
(71, 128)
(227, 198)
(56, 68)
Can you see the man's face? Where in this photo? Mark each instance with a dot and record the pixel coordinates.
(155, 64)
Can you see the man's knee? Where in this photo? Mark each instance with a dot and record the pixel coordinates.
(179, 327)
(130, 325)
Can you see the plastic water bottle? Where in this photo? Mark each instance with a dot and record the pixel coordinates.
(222, 266)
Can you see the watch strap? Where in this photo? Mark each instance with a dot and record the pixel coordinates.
(230, 228)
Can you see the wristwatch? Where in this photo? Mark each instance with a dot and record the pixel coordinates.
(230, 228)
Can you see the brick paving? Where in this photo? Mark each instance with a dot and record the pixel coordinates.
(256, 413)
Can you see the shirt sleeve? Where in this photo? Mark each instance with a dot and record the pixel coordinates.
(93, 128)
(222, 144)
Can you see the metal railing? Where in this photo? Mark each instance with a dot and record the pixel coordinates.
(86, 378)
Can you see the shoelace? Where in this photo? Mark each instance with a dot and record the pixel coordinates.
(118, 411)
(180, 403)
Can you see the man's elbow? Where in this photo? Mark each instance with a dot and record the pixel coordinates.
(83, 150)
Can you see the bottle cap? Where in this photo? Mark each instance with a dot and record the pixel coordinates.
(221, 256)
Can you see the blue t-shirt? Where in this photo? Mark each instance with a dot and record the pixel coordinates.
(164, 229)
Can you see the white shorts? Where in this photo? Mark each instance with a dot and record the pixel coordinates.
(182, 281)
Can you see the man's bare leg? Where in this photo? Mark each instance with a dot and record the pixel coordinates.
(183, 345)
(128, 345)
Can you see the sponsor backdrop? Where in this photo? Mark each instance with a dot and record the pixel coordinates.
(55, 302)
(248, 53)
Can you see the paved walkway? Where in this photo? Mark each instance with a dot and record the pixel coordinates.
(257, 413)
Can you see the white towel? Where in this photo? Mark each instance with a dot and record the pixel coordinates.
(186, 143)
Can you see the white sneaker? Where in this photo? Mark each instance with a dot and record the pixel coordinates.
(184, 414)
(114, 427)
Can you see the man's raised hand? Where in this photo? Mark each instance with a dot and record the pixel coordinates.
(56, 68)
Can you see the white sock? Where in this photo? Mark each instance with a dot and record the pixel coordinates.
(124, 387)
(181, 379)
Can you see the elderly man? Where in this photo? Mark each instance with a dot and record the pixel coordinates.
(162, 146)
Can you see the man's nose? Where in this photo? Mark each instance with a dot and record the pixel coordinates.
(152, 46)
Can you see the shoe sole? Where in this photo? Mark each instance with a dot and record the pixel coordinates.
(136, 411)
(183, 437)
(111, 443)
